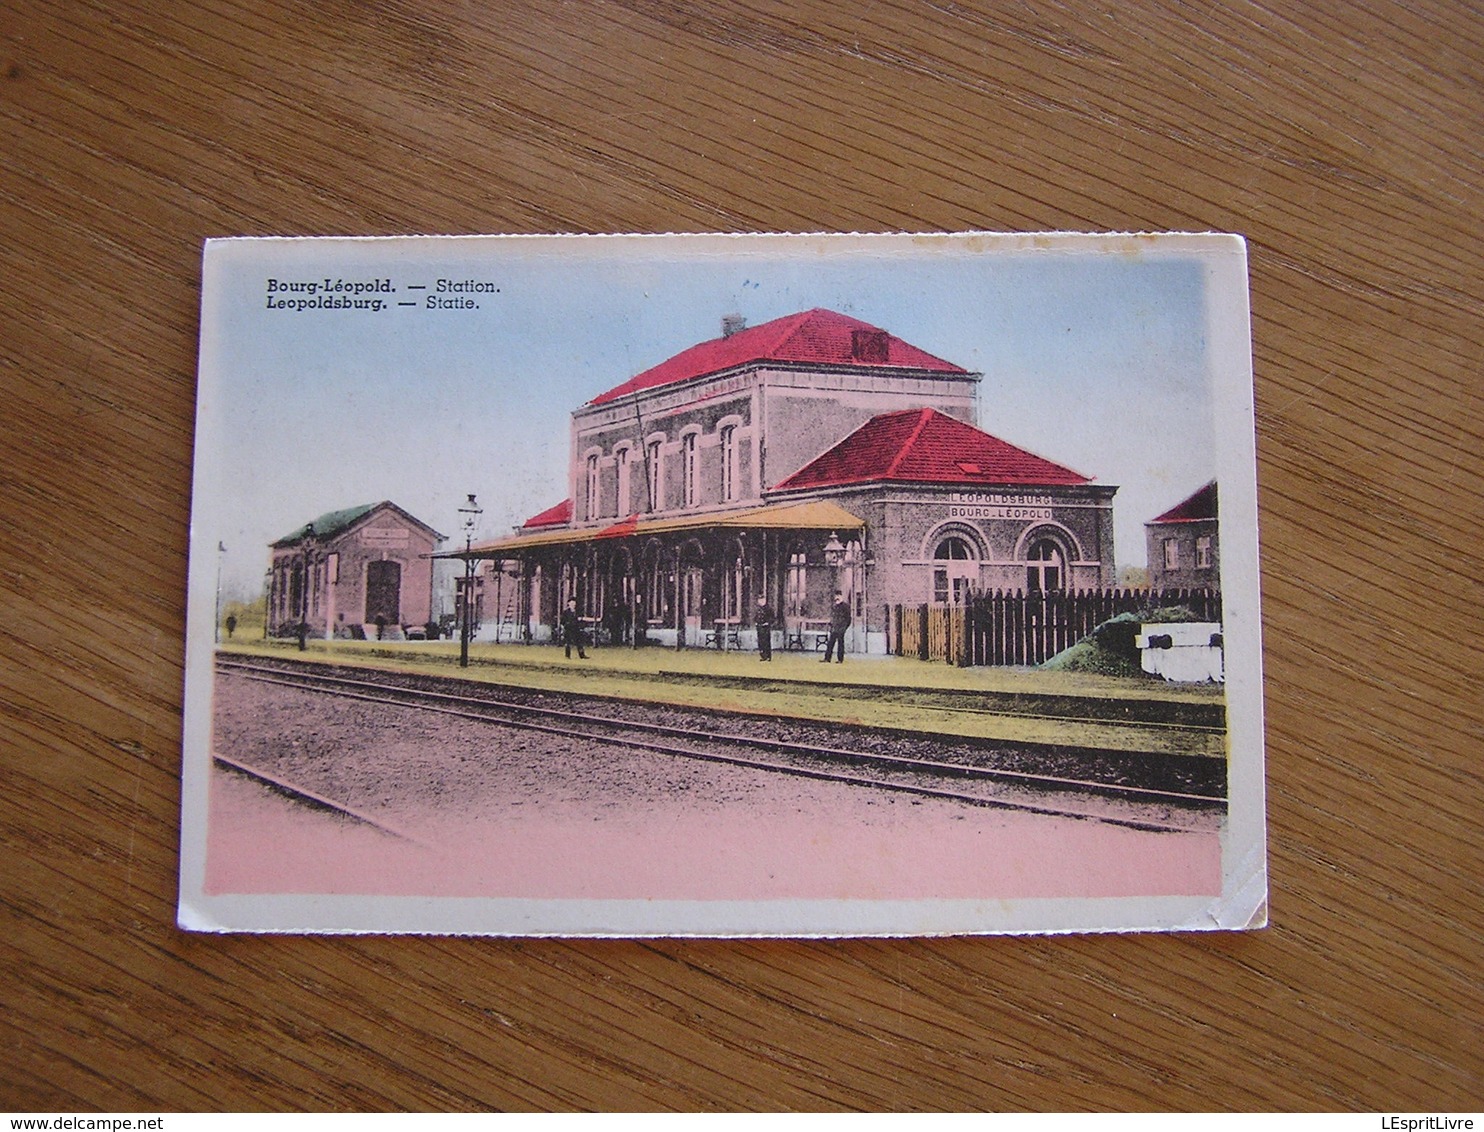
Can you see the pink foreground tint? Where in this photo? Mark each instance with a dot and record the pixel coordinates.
(859, 846)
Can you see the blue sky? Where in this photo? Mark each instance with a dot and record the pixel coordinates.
(1092, 357)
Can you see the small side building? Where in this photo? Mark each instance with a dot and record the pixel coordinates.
(358, 571)
(1183, 543)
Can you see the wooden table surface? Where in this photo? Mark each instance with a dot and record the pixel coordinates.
(1342, 139)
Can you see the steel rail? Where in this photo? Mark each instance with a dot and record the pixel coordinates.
(322, 801)
(883, 693)
(486, 710)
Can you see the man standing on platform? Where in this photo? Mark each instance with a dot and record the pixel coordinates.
(839, 622)
(572, 630)
(764, 629)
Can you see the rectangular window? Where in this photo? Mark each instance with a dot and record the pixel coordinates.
(1203, 552)
(1172, 554)
(795, 588)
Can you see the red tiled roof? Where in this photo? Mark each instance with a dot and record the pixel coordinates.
(620, 529)
(814, 336)
(1201, 505)
(926, 446)
(552, 517)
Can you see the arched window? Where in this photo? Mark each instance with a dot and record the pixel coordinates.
(1046, 567)
(621, 465)
(296, 589)
(593, 508)
(728, 463)
(652, 471)
(954, 549)
(689, 470)
(954, 570)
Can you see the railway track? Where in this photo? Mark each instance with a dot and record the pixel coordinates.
(964, 775)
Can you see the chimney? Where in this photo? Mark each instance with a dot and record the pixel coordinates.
(731, 323)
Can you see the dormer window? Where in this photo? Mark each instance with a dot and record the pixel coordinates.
(870, 345)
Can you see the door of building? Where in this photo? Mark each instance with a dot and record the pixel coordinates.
(383, 593)
(690, 601)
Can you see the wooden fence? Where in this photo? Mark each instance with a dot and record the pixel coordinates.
(1012, 627)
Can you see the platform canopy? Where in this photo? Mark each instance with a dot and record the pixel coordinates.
(814, 515)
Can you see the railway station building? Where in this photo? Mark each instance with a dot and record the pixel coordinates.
(807, 455)
(363, 571)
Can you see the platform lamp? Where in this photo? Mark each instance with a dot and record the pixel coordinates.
(471, 512)
(306, 554)
(834, 555)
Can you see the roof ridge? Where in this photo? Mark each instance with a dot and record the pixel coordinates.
(925, 414)
(794, 324)
(818, 336)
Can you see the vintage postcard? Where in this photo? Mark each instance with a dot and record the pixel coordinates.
(724, 585)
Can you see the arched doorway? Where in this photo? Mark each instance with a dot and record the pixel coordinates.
(733, 583)
(618, 608)
(690, 596)
(955, 570)
(653, 601)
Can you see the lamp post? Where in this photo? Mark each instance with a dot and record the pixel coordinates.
(306, 554)
(471, 512)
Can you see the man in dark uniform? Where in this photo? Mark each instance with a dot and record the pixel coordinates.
(764, 629)
(839, 622)
(572, 630)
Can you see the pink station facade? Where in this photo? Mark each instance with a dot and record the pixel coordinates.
(807, 455)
